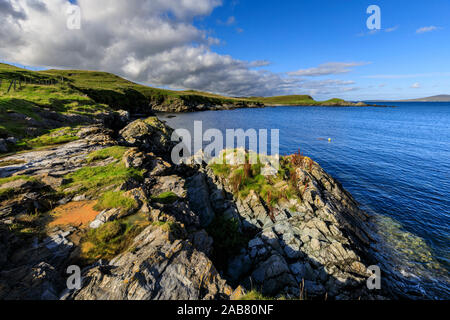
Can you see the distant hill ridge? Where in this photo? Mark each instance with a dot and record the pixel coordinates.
(438, 98)
(116, 92)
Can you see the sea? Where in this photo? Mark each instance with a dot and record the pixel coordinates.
(394, 159)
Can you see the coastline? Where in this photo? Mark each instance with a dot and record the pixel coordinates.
(319, 238)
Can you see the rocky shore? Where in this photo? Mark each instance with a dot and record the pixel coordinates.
(197, 103)
(149, 229)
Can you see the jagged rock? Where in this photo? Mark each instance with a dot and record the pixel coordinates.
(41, 282)
(157, 268)
(105, 216)
(202, 242)
(171, 183)
(133, 158)
(238, 266)
(273, 275)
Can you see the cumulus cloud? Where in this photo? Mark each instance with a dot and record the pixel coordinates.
(330, 68)
(327, 87)
(149, 41)
(426, 29)
(415, 85)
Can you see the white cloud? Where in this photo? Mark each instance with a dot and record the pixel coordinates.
(392, 29)
(408, 76)
(330, 68)
(416, 85)
(149, 41)
(230, 21)
(377, 31)
(426, 29)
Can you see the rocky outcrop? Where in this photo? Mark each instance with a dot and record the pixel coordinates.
(318, 247)
(157, 267)
(192, 103)
(149, 135)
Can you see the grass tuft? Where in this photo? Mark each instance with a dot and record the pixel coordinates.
(115, 152)
(255, 296)
(115, 199)
(109, 240)
(91, 179)
(165, 198)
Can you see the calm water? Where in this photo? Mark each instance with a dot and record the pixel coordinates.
(395, 162)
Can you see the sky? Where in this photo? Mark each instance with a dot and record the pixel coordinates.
(241, 47)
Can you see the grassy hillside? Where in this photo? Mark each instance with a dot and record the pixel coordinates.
(30, 109)
(293, 99)
(117, 92)
(50, 99)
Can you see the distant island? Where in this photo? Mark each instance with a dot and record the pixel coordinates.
(438, 98)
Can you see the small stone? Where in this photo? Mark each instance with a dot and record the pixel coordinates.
(96, 224)
(79, 198)
(315, 244)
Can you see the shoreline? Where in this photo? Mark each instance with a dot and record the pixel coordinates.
(319, 235)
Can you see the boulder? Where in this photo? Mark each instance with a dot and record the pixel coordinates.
(149, 134)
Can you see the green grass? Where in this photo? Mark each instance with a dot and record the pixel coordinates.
(109, 240)
(287, 100)
(15, 178)
(6, 193)
(246, 178)
(91, 93)
(255, 296)
(93, 179)
(169, 226)
(54, 137)
(10, 163)
(115, 152)
(165, 198)
(284, 188)
(115, 199)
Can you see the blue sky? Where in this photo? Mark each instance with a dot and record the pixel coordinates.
(242, 47)
(296, 34)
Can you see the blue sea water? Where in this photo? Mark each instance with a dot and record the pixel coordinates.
(394, 161)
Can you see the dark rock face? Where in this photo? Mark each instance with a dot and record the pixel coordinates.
(192, 103)
(198, 195)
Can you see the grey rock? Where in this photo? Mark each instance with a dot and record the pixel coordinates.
(198, 195)
(158, 268)
(255, 243)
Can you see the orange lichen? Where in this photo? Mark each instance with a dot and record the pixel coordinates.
(74, 213)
